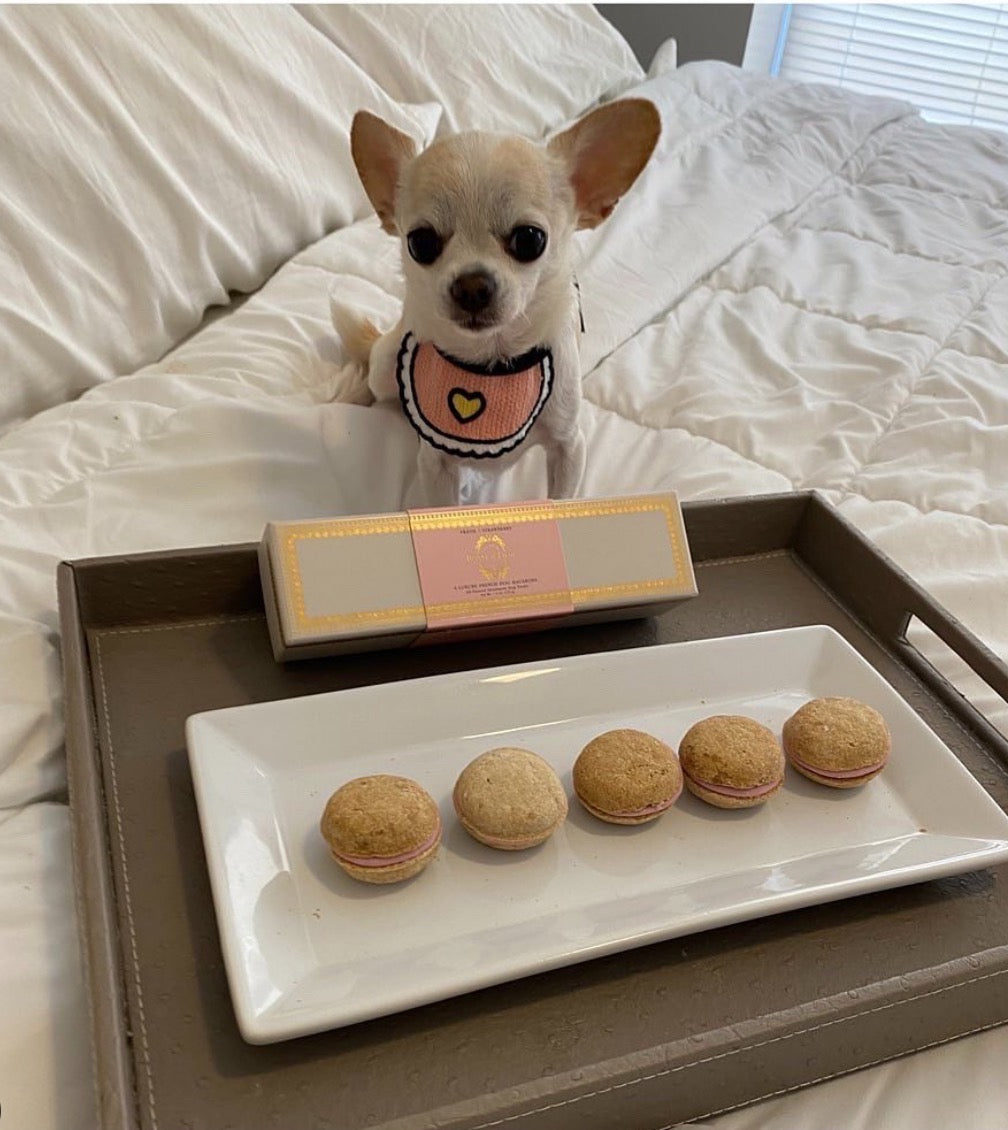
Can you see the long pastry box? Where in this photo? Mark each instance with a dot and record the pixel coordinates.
(646, 1038)
(373, 581)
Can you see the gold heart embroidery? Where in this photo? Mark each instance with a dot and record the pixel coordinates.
(466, 406)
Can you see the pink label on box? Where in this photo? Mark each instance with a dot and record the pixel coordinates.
(489, 564)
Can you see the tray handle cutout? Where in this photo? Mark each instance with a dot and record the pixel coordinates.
(931, 637)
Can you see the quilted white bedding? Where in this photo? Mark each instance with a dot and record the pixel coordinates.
(806, 289)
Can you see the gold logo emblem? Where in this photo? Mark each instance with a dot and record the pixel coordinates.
(491, 556)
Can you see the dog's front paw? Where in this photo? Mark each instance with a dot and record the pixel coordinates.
(565, 466)
(350, 386)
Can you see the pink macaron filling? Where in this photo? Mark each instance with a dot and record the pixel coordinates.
(839, 774)
(505, 842)
(392, 860)
(732, 791)
(650, 809)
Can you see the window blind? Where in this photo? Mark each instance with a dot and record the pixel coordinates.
(950, 60)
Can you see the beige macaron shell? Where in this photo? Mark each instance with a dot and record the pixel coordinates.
(838, 734)
(735, 751)
(378, 817)
(509, 799)
(623, 771)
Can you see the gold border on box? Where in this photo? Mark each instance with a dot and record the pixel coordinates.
(454, 519)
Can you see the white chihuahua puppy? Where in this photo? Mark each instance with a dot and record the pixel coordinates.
(484, 358)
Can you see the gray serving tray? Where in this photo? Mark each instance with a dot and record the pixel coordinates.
(643, 1039)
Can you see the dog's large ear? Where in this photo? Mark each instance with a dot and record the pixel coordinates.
(380, 152)
(605, 153)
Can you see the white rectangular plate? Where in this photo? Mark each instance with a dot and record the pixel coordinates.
(307, 948)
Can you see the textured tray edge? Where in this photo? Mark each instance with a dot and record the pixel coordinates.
(93, 885)
(804, 1039)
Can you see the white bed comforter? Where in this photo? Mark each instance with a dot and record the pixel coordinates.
(805, 289)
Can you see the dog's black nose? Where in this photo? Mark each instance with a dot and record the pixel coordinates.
(473, 292)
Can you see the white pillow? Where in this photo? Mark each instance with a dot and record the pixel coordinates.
(526, 68)
(154, 159)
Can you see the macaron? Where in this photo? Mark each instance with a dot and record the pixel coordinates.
(838, 742)
(509, 799)
(731, 761)
(382, 828)
(627, 777)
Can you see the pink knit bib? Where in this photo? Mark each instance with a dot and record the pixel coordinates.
(471, 410)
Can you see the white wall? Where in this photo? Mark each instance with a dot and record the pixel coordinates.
(701, 31)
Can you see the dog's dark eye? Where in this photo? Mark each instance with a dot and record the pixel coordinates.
(526, 243)
(425, 245)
